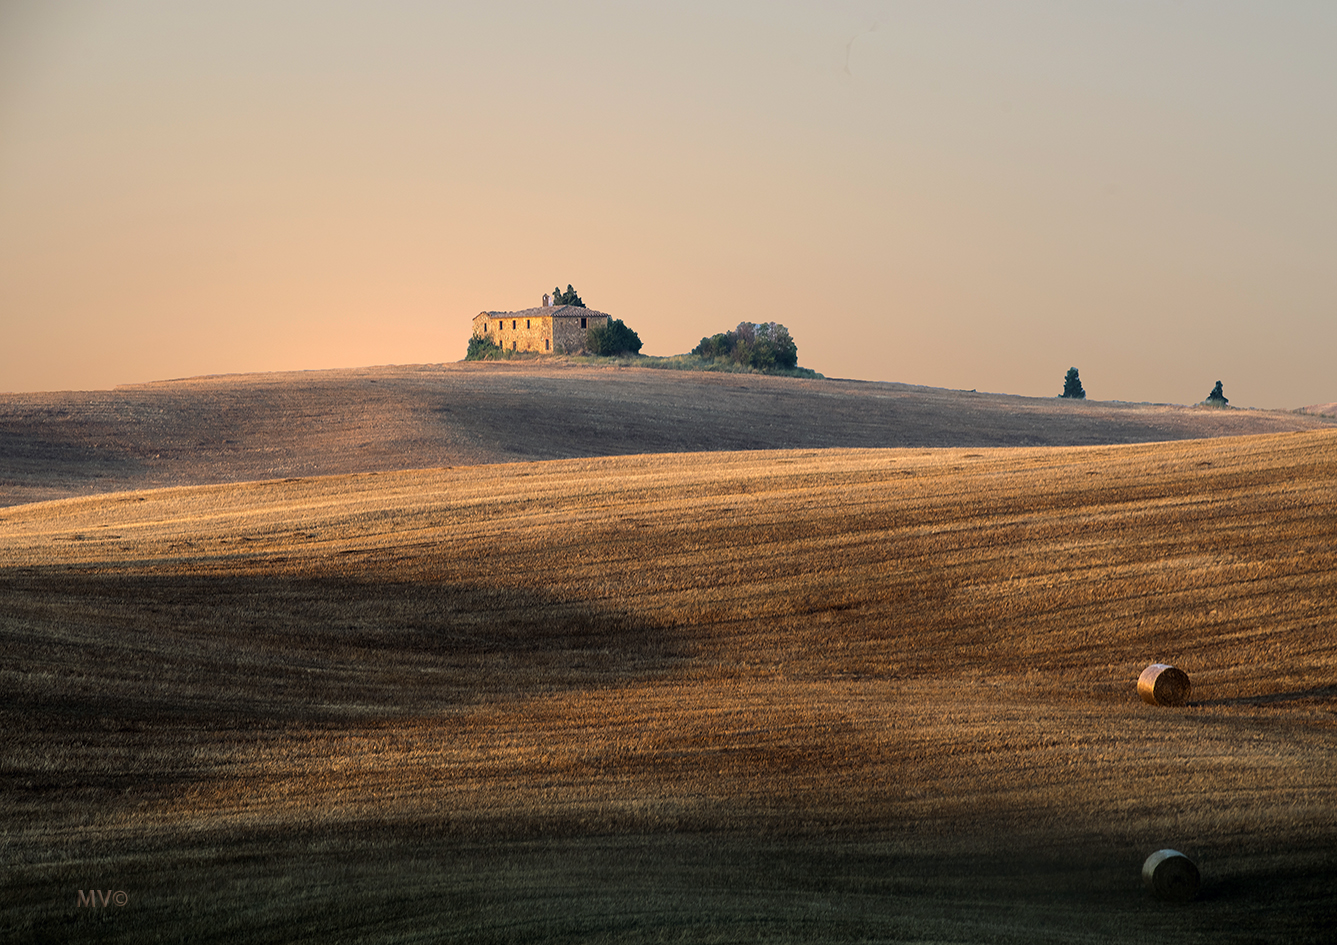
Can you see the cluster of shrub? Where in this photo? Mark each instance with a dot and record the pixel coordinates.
(764, 347)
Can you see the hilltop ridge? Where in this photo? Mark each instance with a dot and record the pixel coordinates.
(245, 427)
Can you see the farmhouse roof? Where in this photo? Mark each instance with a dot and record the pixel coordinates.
(553, 311)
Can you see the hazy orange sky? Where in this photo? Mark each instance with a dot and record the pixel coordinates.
(966, 195)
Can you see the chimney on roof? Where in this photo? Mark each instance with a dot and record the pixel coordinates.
(546, 303)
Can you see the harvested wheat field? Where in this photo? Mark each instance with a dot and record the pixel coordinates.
(785, 696)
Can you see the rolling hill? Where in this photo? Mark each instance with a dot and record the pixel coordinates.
(782, 695)
(271, 426)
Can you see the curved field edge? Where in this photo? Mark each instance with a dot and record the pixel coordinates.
(791, 695)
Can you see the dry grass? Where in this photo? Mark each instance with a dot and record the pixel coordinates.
(780, 696)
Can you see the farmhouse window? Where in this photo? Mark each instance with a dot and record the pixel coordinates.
(512, 324)
(512, 345)
(582, 323)
(527, 325)
(545, 344)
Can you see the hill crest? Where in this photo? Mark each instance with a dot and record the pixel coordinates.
(243, 427)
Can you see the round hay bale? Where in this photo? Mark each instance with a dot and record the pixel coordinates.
(1162, 684)
(1171, 876)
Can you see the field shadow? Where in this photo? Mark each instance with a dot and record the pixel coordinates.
(123, 689)
(540, 418)
(259, 886)
(36, 466)
(275, 647)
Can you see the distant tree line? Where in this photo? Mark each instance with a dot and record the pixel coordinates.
(1072, 388)
(763, 346)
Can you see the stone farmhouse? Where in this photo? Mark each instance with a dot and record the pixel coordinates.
(548, 329)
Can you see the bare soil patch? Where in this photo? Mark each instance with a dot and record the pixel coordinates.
(268, 426)
(803, 695)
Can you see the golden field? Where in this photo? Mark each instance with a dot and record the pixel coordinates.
(791, 695)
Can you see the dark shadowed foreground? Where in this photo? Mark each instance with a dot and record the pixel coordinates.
(872, 695)
(268, 426)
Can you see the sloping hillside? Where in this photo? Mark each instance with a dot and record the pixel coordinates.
(780, 696)
(269, 426)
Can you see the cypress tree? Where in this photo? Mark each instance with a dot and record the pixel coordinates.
(1072, 385)
(569, 297)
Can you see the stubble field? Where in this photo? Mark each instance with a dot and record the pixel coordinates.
(800, 695)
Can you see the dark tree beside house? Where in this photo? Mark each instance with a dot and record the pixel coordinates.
(612, 339)
(1217, 398)
(1072, 386)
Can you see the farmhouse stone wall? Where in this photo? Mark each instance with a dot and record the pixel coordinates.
(546, 330)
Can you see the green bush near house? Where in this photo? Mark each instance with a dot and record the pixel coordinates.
(481, 349)
(612, 339)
